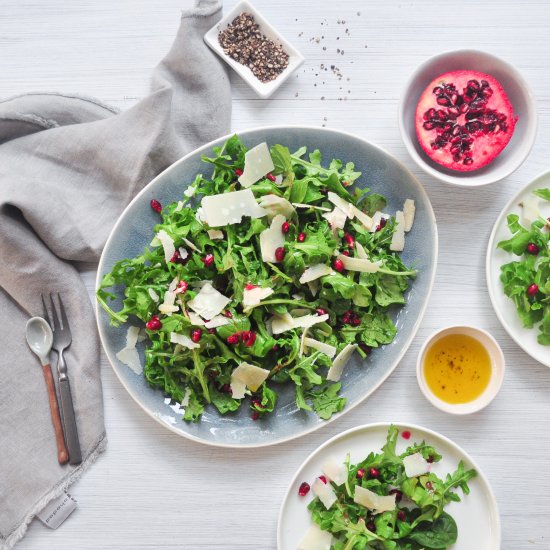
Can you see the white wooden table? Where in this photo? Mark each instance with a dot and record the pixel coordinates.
(153, 489)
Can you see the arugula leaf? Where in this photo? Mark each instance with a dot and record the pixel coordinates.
(373, 203)
(543, 194)
(326, 400)
(441, 533)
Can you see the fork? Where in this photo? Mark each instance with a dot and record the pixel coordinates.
(61, 341)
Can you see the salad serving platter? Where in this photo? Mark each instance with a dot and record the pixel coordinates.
(382, 174)
(504, 307)
(476, 516)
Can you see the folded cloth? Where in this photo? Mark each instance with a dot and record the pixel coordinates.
(68, 167)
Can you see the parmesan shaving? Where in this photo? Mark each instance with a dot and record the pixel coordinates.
(325, 492)
(335, 372)
(183, 340)
(248, 375)
(275, 205)
(372, 501)
(335, 471)
(315, 539)
(208, 302)
(315, 272)
(415, 465)
(154, 296)
(272, 238)
(167, 244)
(327, 349)
(398, 238)
(360, 264)
(218, 321)
(130, 358)
(253, 296)
(257, 163)
(230, 208)
(409, 210)
(215, 234)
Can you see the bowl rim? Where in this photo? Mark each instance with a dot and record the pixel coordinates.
(532, 124)
(208, 146)
(497, 372)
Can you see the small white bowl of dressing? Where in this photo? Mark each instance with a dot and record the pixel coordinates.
(460, 369)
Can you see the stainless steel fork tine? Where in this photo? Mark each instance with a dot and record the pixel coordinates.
(55, 325)
(45, 314)
(64, 319)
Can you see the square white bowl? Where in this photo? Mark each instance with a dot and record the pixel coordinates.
(517, 89)
(263, 89)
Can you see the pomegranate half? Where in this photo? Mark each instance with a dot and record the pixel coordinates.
(464, 120)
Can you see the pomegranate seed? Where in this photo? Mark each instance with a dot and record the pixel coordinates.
(429, 485)
(156, 206)
(250, 286)
(226, 388)
(280, 254)
(238, 172)
(182, 287)
(176, 257)
(255, 415)
(301, 237)
(533, 289)
(270, 177)
(233, 339)
(371, 527)
(208, 260)
(350, 241)
(338, 265)
(398, 494)
(406, 434)
(345, 253)
(401, 516)
(321, 311)
(374, 472)
(304, 489)
(323, 479)
(211, 331)
(154, 323)
(285, 228)
(366, 349)
(430, 459)
(196, 335)
(228, 314)
(346, 317)
(276, 347)
(355, 321)
(532, 248)
(360, 473)
(248, 337)
(382, 224)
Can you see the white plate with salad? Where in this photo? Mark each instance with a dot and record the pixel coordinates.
(389, 486)
(518, 268)
(266, 283)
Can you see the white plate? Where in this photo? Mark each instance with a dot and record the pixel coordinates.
(477, 515)
(504, 307)
(263, 89)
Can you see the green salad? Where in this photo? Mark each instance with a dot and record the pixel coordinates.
(272, 271)
(388, 501)
(527, 280)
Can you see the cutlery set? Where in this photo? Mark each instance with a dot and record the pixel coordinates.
(44, 334)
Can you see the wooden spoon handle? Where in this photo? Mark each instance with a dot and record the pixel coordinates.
(62, 454)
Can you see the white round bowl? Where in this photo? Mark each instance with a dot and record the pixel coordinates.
(497, 370)
(521, 97)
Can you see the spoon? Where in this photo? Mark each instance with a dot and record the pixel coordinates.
(40, 338)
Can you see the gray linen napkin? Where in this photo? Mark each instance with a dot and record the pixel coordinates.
(68, 167)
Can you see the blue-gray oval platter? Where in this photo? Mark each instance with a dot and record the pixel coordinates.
(381, 173)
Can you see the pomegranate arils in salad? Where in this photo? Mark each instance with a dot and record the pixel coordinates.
(360, 473)
(532, 290)
(238, 172)
(338, 265)
(208, 260)
(398, 494)
(181, 287)
(401, 516)
(233, 339)
(156, 206)
(270, 177)
(374, 472)
(285, 228)
(349, 240)
(321, 311)
(304, 488)
(280, 254)
(323, 479)
(196, 335)
(532, 248)
(154, 323)
(248, 338)
(464, 120)
(301, 237)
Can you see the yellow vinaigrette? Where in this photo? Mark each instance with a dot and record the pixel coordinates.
(457, 368)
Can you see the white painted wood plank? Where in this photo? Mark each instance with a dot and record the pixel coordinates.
(151, 489)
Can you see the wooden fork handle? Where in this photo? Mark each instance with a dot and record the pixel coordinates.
(62, 453)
